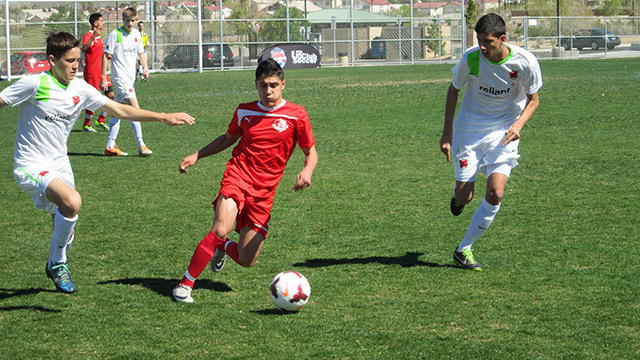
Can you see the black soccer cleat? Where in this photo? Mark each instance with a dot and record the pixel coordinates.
(456, 208)
(465, 258)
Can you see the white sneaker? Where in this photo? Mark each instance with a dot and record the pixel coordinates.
(218, 260)
(182, 293)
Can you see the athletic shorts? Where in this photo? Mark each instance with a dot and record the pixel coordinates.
(124, 91)
(473, 151)
(96, 81)
(34, 180)
(253, 212)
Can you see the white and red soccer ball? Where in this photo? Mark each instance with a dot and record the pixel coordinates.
(290, 290)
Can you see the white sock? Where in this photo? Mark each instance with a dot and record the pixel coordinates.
(480, 222)
(62, 231)
(137, 132)
(114, 128)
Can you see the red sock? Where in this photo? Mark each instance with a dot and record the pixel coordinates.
(231, 248)
(87, 117)
(101, 118)
(201, 257)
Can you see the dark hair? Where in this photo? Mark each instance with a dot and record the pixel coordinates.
(491, 24)
(269, 67)
(94, 17)
(60, 42)
(140, 22)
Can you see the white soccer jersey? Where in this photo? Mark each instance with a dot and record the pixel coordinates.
(124, 49)
(47, 113)
(496, 93)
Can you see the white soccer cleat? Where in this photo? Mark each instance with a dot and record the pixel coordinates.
(182, 293)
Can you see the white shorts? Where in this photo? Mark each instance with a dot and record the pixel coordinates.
(123, 91)
(34, 180)
(473, 151)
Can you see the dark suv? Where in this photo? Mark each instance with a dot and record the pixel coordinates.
(593, 39)
(186, 56)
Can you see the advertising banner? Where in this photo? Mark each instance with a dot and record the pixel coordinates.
(292, 56)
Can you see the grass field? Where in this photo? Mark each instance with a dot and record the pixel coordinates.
(373, 234)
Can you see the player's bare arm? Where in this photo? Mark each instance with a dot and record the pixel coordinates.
(2, 103)
(310, 162)
(513, 133)
(447, 130)
(143, 62)
(221, 143)
(127, 112)
(104, 84)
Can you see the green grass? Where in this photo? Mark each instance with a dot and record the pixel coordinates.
(373, 234)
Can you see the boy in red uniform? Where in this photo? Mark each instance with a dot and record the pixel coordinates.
(93, 49)
(268, 130)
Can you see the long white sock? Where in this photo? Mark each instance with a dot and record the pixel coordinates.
(137, 132)
(114, 128)
(62, 230)
(480, 222)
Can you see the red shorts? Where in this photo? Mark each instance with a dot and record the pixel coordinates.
(253, 212)
(95, 82)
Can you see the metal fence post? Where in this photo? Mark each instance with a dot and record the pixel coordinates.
(352, 34)
(8, 36)
(199, 3)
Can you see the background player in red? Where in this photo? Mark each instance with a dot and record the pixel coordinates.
(93, 49)
(268, 130)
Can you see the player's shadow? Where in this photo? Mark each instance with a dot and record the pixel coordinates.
(9, 293)
(165, 287)
(85, 154)
(410, 259)
(274, 312)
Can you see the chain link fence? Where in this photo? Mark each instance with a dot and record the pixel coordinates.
(192, 36)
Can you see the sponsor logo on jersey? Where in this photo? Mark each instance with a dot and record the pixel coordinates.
(58, 118)
(463, 163)
(301, 57)
(494, 91)
(76, 100)
(280, 125)
(279, 56)
(513, 74)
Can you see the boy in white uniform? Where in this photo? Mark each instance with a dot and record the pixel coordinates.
(50, 104)
(502, 93)
(124, 45)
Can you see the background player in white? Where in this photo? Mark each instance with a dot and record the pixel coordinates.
(124, 45)
(502, 93)
(50, 104)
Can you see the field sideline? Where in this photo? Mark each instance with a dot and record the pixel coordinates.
(373, 233)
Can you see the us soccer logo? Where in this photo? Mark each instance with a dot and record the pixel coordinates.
(279, 56)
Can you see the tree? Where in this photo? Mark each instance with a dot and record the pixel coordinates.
(433, 31)
(276, 31)
(472, 13)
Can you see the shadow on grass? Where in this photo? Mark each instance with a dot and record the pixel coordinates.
(274, 312)
(86, 154)
(33, 308)
(410, 259)
(9, 293)
(165, 287)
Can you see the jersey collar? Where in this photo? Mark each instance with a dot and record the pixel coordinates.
(55, 81)
(273, 108)
(505, 59)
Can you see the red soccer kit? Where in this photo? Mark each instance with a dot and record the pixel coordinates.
(267, 140)
(93, 60)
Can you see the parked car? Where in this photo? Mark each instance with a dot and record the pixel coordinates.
(26, 62)
(593, 39)
(186, 56)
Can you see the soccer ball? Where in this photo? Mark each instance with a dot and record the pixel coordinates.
(290, 290)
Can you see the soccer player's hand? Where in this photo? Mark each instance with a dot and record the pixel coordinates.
(302, 180)
(445, 147)
(178, 119)
(511, 135)
(187, 161)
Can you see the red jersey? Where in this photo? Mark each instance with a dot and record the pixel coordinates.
(267, 140)
(93, 56)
